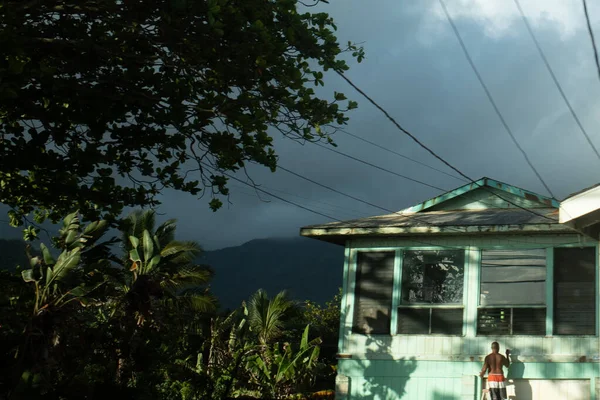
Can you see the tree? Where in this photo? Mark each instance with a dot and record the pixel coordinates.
(159, 279)
(105, 103)
(158, 266)
(60, 288)
(266, 316)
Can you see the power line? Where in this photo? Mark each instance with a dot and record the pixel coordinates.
(330, 208)
(491, 99)
(393, 121)
(380, 168)
(558, 86)
(279, 166)
(346, 210)
(589, 25)
(274, 195)
(416, 140)
(401, 155)
(409, 216)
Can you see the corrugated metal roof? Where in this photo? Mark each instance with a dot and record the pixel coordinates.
(456, 218)
(460, 222)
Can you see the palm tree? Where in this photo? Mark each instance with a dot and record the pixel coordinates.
(266, 316)
(160, 276)
(160, 267)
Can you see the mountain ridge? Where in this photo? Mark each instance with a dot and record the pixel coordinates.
(308, 269)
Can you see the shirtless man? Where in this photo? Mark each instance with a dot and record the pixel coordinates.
(493, 364)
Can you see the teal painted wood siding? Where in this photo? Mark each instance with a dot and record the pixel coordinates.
(444, 367)
(435, 380)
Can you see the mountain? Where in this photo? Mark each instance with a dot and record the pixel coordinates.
(308, 269)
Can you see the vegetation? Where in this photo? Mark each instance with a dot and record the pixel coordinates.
(80, 321)
(105, 103)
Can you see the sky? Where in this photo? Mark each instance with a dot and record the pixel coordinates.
(416, 70)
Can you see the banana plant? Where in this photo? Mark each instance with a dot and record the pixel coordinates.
(161, 267)
(280, 370)
(58, 282)
(59, 286)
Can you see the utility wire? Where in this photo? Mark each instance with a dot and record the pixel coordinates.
(273, 195)
(393, 121)
(491, 99)
(406, 157)
(402, 155)
(408, 216)
(380, 168)
(279, 166)
(589, 26)
(416, 140)
(558, 86)
(317, 207)
(335, 207)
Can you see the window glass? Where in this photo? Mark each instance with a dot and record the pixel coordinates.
(575, 291)
(513, 277)
(373, 294)
(433, 276)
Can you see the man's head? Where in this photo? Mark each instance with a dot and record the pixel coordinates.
(495, 347)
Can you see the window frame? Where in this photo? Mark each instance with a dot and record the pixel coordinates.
(471, 286)
(550, 323)
(351, 293)
(549, 282)
(398, 293)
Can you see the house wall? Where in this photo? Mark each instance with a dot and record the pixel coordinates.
(445, 367)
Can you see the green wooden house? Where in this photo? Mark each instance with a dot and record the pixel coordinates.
(426, 290)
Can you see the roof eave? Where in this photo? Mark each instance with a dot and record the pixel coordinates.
(319, 233)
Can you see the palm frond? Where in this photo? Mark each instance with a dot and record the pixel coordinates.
(181, 251)
(166, 232)
(135, 224)
(199, 274)
(265, 316)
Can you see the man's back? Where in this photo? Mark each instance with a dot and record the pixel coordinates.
(495, 362)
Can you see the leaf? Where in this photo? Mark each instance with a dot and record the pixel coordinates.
(153, 263)
(69, 219)
(71, 236)
(49, 275)
(27, 275)
(96, 228)
(148, 246)
(14, 219)
(82, 290)
(339, 96)
(135, 242)
(65, 263)
(30, 233)
(48, 259)
(134, 255)
(304, 341)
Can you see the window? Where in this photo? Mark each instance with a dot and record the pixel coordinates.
(432, 292)
(575, 291)
(512, 292)
(373, 294)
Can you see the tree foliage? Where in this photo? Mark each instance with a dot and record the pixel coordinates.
(105, 103)
(79, 321)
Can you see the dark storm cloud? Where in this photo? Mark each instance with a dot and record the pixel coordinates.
(417, 71)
